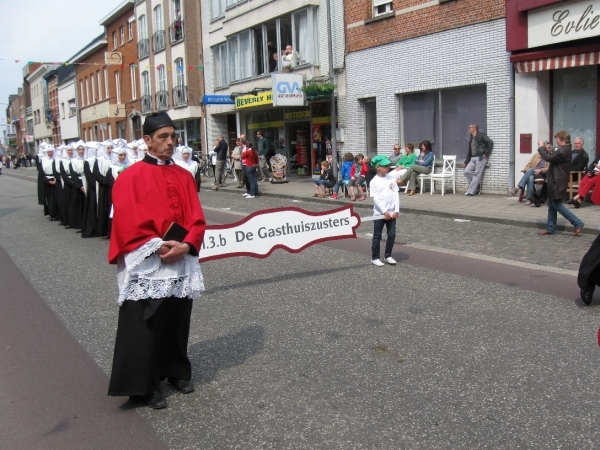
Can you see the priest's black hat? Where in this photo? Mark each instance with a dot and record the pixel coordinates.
(155, 121)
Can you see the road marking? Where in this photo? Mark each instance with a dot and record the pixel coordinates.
(494, 259)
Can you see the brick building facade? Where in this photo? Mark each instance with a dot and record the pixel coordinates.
(16, 118)
(423, 70)
(108, 94)
(52, 113)
(170, 67)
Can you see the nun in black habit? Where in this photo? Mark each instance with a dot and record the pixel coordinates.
(67, 182)
(77, 204)
(49, 182)
(61, 207)
(90, 212)
(103, 175)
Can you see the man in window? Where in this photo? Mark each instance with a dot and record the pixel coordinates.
(289, 57)
(479, 149)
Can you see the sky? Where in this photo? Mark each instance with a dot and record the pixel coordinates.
(45, 31)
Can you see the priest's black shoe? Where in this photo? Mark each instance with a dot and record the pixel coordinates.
(156, 400)
(587, 295)
(183, 386)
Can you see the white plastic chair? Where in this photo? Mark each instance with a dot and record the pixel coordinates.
(447, 174)
(422, 178)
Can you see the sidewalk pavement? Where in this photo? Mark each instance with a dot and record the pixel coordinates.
(484, 208)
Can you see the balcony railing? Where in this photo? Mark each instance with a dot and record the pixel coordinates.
(162, 100)
(180, 96)
(146, 104)
(143, 49)
(158, 41)
(176, 32)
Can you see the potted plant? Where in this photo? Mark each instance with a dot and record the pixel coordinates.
(315, 91)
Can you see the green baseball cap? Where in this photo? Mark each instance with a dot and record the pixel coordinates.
(380, 160)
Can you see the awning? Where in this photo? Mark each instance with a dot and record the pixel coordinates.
(558, 62)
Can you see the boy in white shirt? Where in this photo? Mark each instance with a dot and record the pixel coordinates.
(386, 202)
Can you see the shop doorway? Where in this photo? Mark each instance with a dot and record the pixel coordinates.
(298, 152)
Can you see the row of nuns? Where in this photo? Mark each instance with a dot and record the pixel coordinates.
(75, 181)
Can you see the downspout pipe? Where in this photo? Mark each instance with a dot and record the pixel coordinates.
(512, 149)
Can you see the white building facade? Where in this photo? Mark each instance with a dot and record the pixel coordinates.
(67, 101)
(42, 125)
(244, 44)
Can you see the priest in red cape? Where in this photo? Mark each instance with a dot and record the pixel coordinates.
(158, 276)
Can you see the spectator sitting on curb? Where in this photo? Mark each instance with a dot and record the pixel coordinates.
(325, 181)
(406, 161)
(357, 177)
(344, 174)
(371, 171)
(535, 168)
(588, 182)
(422, 165)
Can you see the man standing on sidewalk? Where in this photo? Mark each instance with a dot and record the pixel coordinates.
(480, 147)
(557, 182)
(222, 155)
(263, 148)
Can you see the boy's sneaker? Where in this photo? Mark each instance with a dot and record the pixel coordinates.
(377, 262)
(390, 260)
(250, 196)
(245, 194)
(334, 196)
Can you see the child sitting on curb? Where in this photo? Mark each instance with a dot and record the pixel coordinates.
(325, 181)
(386, 203)
(345, 171)
(357, 177)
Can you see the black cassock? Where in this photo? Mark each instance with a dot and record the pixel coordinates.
(67, 183)
(148, 332)
(61, 207)
(77, 204)
(90, 212)
(589, 269)
(104, 198)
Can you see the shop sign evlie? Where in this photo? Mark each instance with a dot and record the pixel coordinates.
(563, 22)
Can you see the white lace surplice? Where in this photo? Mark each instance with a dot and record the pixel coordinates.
(141, 275)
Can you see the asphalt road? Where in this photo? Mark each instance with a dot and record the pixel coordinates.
(475, 339)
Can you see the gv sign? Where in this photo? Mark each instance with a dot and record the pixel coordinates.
(286, 89)
(566, 21)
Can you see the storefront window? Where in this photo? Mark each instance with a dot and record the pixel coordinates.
(574, 104)
(442, 117)
(193, 134)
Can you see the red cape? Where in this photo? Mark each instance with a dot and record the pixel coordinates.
(147, 198)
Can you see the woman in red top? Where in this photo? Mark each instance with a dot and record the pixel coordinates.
(249, 164)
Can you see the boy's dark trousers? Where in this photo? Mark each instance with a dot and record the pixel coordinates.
(391, 237)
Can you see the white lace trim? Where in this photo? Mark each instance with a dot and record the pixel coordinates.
(138, 261)
(153, 278)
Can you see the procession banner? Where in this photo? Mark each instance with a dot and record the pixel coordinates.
(291, 229)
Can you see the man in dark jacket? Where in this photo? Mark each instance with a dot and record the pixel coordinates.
(557, 182)
(579, 158)
(480, 147)
(222, 155)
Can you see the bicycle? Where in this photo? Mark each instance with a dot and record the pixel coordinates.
(206, 169)
(229, 170)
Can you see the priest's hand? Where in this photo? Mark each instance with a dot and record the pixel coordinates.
(172, 251)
